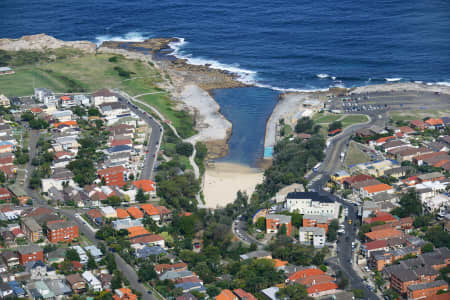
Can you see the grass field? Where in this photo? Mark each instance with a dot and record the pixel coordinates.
(88, 73)
(353, 119)
(417, 114)
(355, 155)
(326, 118)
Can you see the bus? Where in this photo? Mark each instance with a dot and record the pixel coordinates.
(316, 167)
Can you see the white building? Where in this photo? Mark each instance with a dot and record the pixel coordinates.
(82, 100)
(103, 96)
(314, 236)
(62, 115)
(93, 282)
(126, 223)
(311, 203)
(83, 256)
(46, 96)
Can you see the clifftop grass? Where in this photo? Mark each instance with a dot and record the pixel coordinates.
(66, 70)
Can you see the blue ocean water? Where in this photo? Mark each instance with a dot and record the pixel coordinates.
(291, 44)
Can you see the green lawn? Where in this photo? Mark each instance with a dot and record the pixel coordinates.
(325, 118)
(417, 114)
(353, 119)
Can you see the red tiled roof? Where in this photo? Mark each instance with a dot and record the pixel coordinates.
(305, 273)
(243, 294)
(380, 217)
(375, 245)
(433, 122)
(383, 234)
(150, 209)
(36, 110)
(63, 153)
(385, 139)
(377, 188)
(146, 239)
(112, 170)
(357, 178)
(163, 267)
(122, 213)
(322, 287)
(94, 213)
(315, 280)
(146, 185)
(406, 129)
(226, 295)
(135, 212)
(67, 123)
(121, 142)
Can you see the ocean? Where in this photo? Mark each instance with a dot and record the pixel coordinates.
(276, 45)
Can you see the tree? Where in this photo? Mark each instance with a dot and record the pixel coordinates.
(147, 272)
(84, 171)
(72, 255)
(184, 148)
(379, 281)
(91, 264)
(293, 292)
(27, 116)
(261, 223)
(116, 280)
(114, 200)
(282, 230)
(428, 247)
(358, 293)
(93, 111)
(332, 230)
(2, 177)
(304, 124)
(335, 125)
(323, 268)
(342, 280)
(140, 196)
(438, 236)
(409, 205)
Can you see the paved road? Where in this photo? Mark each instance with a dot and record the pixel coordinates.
(122, 265)
(154, 141)
(331, 164)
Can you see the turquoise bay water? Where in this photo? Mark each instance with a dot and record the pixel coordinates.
(247, 109)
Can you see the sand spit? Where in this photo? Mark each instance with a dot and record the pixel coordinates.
(224, 180)
(212, 126)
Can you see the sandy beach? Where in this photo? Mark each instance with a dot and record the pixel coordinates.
(224, 180)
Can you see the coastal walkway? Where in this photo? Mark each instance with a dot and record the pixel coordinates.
(161, 116)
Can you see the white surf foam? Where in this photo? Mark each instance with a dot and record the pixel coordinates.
(133, 36)
(443, 83)
(243, 75)
(322, 75)
(393, 79)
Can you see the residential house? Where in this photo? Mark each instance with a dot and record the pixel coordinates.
(383, 234)
(5, 290)
(274, 222)
(427, 289)
(31, 229)
(311, 203)
(314, 236)
(62, 115)
(151, 240)
(315, 221)
(4, 101)
(418, 125)
(103, 96)
(259, 254)
(148, 186)
(162, 268)
(370, 191)
(76, 282)
(10, 258)
(31, 252)
(124, 294)
(92, 281)
(108, 212)
(62, 231)
(115, 176)
(37, 269)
